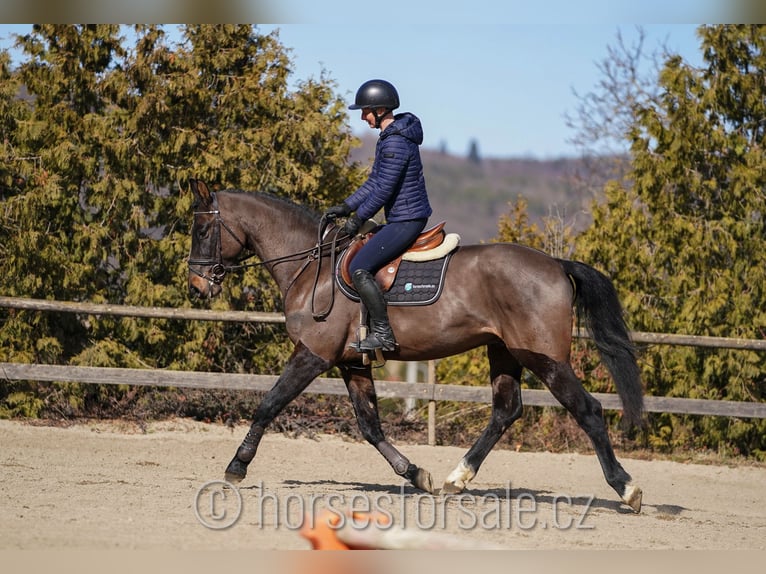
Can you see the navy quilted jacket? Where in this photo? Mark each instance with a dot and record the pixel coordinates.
(396, 181)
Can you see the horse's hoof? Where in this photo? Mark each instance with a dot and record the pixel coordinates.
(423, 480)
(232, 478)
(236, 471)
(457, 480)
(632, 497)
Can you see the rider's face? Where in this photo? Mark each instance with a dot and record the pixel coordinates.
(369, 117)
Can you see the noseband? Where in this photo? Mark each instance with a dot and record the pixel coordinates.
(217, 268)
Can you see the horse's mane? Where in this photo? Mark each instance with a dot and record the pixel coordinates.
(304, 212)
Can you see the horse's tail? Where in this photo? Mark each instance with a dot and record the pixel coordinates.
(599, 309)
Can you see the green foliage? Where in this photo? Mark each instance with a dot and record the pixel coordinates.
(21, 403)
(683, 235)
(94, 200)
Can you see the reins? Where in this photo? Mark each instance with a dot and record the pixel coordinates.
(333, 257)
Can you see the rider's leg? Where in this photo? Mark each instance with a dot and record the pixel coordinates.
(381, 336)
(383, 247)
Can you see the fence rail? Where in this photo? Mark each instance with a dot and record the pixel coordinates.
(429, 391)
(385, 389)
(258, 317)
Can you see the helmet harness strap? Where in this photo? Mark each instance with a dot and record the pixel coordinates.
(378, 118)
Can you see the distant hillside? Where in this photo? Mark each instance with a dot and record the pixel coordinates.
(471, 196)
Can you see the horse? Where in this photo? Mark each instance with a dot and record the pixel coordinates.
(518, 302)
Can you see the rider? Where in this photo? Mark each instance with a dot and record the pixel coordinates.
(397, 185)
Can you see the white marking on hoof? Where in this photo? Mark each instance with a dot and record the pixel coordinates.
(632, 497)
(458, 479)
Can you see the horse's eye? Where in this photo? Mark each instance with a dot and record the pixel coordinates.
(203, 231)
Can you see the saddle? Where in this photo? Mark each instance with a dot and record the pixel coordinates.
(432, 243)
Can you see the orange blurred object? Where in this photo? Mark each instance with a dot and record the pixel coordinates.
(321, 531)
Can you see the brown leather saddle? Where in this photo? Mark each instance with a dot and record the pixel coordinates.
(428, 239)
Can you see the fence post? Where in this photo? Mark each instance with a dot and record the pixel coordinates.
(432, 404)
(411, 402)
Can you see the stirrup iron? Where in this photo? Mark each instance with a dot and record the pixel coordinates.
(361, 335)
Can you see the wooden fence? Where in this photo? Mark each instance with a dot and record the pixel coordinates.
(429, 391)
(257, 317)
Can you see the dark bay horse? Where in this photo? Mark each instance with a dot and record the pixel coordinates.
(517, 302)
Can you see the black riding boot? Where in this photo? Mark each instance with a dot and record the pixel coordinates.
(381, 336)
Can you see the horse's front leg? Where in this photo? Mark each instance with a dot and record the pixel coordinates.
(302, 368)
(361, 390)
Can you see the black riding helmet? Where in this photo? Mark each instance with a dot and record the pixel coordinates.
(376, 94)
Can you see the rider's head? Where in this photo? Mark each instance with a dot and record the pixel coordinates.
(377, 96)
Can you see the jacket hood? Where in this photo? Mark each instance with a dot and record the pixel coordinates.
(407, 125)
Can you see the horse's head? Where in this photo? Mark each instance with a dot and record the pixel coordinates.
(212, 252)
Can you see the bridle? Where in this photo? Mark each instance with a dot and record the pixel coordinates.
(218, 269)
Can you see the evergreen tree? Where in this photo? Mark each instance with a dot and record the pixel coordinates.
(473, 152)
(106, 144)
(12, 111)
(683, 235)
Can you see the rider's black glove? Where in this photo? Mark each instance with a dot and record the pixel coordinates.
(341, 210)
(353, 224)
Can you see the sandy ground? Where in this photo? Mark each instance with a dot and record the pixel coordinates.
(111, 486)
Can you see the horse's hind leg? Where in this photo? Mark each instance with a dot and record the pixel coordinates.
(568, 390)
(361, 390)
(302, 368)
(505, 372)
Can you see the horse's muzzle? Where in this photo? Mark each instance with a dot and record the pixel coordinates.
(200, 288)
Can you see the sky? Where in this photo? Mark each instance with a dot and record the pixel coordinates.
(506, 86)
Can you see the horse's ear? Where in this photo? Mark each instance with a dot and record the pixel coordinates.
(200, 190)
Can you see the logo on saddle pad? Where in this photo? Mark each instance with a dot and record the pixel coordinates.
(415, 278)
